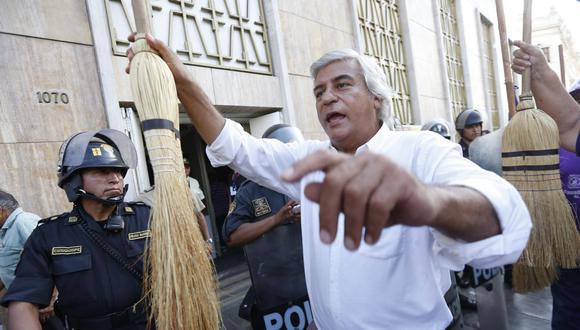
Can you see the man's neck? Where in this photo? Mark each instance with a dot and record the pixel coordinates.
(97, 210)
(351, 149)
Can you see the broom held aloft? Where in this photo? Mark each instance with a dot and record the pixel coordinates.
(204, 116)
(549, 93)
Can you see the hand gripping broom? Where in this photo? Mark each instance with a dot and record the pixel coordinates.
(180, 284)
(530, 161)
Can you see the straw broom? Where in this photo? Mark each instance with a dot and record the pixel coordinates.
(180, 286)
(530, 161)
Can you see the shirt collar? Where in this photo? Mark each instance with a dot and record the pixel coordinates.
(374, 143)
(12, 218)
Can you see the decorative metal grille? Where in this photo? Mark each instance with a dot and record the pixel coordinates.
(229, 34)
(491, 87)
(452, 49)
(378, 21)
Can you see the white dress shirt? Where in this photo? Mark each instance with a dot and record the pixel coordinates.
(399, 282)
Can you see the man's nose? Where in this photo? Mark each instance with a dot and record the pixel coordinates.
(328, 96)
(114, 176)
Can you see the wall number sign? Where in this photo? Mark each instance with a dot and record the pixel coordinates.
(52, 97)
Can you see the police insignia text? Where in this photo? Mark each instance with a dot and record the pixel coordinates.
(139, 235)
(66, 250)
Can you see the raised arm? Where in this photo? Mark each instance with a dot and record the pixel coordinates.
(549, 93)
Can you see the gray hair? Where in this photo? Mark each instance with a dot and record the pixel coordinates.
(372, 73)
(8, 201)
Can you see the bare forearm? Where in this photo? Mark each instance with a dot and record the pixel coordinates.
(204, 116)
(465, 214)
(552, 97)
(250, 231)
(202, 225)
(23, 316)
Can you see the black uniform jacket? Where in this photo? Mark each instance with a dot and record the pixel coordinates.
(90, 282)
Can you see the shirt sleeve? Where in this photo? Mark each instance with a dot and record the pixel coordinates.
(33, 282)
(242, 212)
(450, 168)
(260, 160)
(26, 225)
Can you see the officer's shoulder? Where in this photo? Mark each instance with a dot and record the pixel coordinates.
(53, 219)
(248, 184)
(134, 208)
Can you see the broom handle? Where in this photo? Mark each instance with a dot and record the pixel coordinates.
(527, 38)
(505, 54)
(142, 17)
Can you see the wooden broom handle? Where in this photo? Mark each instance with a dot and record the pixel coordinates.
(527, 38)
(505, 54)
(142, 17)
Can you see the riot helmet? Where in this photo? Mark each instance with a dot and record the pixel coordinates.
(284, 133)
(466, 118)
(438, 126)
(106, 148)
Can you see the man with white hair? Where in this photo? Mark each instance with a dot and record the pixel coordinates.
(419, 208)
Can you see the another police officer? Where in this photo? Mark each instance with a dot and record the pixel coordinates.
(266, 223)
(438, 126)
(468, 124)
(92, 254)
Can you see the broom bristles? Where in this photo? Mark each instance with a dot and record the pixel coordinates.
(526, 278)
(180, 285)
(530, 162)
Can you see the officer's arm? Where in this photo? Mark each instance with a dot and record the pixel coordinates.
(202, 225)
(250, 231)
(23, 316)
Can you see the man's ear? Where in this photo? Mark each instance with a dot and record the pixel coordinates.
(377, 102)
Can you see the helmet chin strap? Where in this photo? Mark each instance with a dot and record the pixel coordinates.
(113, 200)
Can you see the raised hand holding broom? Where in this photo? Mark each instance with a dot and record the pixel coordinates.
(530, 161)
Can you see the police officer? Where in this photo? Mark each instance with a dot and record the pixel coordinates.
(266, 223)
(468, 124)
(92, 254)
(438, 126)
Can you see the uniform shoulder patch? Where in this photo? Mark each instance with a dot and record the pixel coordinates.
(54, 217)
(261, 206)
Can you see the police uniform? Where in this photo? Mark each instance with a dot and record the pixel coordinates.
(252, 204)
(464, 148)
(275, 259)
(95, 291)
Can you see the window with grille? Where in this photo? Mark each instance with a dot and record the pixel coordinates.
(489, 69)
(378, 21)
(452, 52)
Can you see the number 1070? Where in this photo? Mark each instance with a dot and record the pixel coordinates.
(52, 97)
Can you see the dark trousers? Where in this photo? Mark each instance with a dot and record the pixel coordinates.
(566, 300)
